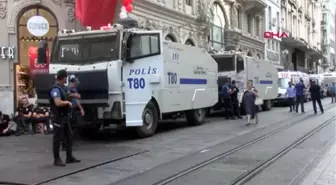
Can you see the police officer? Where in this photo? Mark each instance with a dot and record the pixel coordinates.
(234, 99)
(226, 93)
(60, 108)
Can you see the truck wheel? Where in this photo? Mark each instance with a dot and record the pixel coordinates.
(196, 117)
(88, 130)
(150, 120)
(208, 112)
(267, 105)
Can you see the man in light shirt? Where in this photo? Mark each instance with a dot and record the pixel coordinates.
(290, 94)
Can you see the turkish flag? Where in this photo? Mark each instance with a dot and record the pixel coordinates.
(96, 13)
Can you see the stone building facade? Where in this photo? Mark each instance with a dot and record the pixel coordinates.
(213, 24)
(18, 37)
(301, 19)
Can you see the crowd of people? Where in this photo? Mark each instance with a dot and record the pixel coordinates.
(28, 119)
(250, 105)
(295, 94)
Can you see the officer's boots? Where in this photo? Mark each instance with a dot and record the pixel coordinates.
(59, 162)
(72, 159)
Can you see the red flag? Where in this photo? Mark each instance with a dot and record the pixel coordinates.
(95, 13)
(79, 10)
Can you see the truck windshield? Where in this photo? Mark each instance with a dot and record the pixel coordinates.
(225, 63)
(283, 82)
(86, 49)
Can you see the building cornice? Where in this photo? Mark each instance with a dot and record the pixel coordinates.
(160, 10)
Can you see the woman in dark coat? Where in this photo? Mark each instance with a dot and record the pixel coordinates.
(251, 109)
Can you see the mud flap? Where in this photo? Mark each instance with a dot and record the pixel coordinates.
(134, 113)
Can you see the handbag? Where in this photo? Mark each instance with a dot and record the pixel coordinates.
(258, 101)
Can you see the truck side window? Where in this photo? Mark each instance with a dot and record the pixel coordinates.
(144, 45)
(239, 64)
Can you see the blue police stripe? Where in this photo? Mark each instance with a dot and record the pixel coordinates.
(266, 82)
(193, 81)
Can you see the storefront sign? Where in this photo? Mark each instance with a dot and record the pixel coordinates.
(7, 52)
(33, 65)
(38, 26)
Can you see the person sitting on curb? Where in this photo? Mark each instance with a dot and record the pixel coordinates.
(7, 126)
(23, 115)
(41, 115)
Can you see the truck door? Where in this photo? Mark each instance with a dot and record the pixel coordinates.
(141, 73)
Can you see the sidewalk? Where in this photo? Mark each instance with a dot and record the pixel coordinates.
(325, 171)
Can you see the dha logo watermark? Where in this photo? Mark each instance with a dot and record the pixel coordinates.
(272, 35)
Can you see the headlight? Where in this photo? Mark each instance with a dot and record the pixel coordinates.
(281, 95)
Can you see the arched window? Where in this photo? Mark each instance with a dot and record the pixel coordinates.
(28, 39)
(218, 25)
(258, 56)
(33, 25)
(249, 54)
(170, 38)
(189, 42)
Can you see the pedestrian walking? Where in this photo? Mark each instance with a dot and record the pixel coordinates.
(333, 92)
(290, 94)
(60, 107)
(299, 91)
(234, 100)
(226, 92)
(251, 108)
(315, 91)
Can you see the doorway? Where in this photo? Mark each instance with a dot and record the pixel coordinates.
(34, 25)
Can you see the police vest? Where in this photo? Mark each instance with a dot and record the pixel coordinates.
(58, 111)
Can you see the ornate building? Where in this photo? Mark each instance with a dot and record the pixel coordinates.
(301, 19)
(216, 25)
(273, 25)
(24, 24)
(328, 34)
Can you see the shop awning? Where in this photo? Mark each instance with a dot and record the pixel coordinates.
(96, 13)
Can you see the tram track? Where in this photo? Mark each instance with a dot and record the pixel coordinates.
(182, 173)
(255, 171)
(205, 163)
(299, 118)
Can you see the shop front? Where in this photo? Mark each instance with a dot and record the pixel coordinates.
(28, 23)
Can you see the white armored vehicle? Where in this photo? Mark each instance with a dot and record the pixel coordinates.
(132, 77)
(241, 68)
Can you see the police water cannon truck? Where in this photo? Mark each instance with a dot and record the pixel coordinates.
(133, 78)
(238, 66)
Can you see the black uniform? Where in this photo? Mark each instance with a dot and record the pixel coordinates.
(42, 119)
(22, 121)
(62, 128)
(234, 100)
(315, 92)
